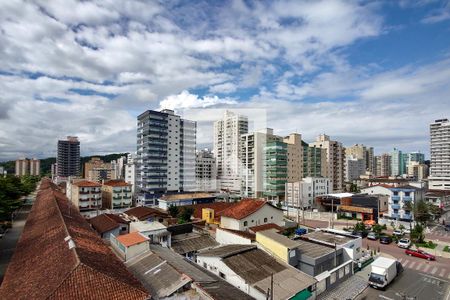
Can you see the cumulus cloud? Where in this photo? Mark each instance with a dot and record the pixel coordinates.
(187, 100)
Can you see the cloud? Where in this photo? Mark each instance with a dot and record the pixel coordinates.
(438, 15)
(186, 100)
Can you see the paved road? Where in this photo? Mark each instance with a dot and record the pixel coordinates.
(439, 268)
(411, 284)
(9, 240)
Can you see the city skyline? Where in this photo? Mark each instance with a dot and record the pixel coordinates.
(374, 73)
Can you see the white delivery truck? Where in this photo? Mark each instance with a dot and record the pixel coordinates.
(384, 270)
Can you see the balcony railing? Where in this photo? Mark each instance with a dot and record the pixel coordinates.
(395, 206)
(407, 198)
(395, 198)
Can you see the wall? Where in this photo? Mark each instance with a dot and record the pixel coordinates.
(137, 249)
(272, 214)
(115, 231)
(273, 247)
(225, 237)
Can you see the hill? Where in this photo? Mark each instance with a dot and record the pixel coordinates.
(46, 163)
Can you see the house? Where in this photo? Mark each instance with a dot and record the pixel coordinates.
(86, 195)
(129, 245)
(123, 221)
(226, 236)
(438, 198)
(116, 194)
(401, 200)
(251, 270)
(59, 256)
(189, 244)
(143, 213)
(155, 231)
(165, 201)
(250, 212)
(105, 226)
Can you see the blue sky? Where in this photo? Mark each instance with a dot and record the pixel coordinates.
(372, 72)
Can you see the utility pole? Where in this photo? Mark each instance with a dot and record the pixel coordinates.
(332, 213)
(271, 286)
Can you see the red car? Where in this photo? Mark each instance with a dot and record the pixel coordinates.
(420, 253)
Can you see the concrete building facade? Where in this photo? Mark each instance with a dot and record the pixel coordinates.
(116, 194)
(205, 171)
(301, 194)
(26, 166)
(227, 148)
(165, 160)
(335, 160)
(354, 167)
(365, 153)
(68, 157)
(440, 155)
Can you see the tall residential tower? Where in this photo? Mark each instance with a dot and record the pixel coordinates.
(68, 158)
(440, 155)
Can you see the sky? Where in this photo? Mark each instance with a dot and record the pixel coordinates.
(371, 72)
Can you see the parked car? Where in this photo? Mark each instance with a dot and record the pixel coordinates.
(385, 239)
(362, 234)
(404, 243)
(420, 253)
(372, 236)
(398, 232)
(407, 231)
(447, 227)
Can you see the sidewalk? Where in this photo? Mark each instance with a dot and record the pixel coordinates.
(440, 249)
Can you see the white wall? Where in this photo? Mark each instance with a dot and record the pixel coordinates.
(268, 212)
(173, 153)
(225, 237)
(137, 249)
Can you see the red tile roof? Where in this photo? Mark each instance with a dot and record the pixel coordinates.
(131, 239)
(43, 266)
(116, 183)
(103, 223)
(218, 208)
(143, 212)
(118, 219)
(267, 226)
(244, 208)
(87, 183)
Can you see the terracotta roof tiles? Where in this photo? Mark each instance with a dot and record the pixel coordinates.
(244, 208)
(103, 223)
(266, 227)
(116, 183)
(87, 183)
(131, 239)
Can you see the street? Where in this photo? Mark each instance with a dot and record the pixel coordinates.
(411, 284)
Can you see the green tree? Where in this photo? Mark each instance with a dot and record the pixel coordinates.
(417, 233)
(421, 212)
(173, 211)
(360, 227)
(378, 229)
(186, 214)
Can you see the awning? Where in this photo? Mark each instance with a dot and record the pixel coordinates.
(303, 295)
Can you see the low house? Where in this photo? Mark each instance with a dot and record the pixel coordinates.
(123, 222)
(105, 226)
(250, 212)
(189, 244)
(438, 198)
(155, 231)
(184, 199)
(116, 194)
(255, 272)
(129, 245)
(144, 213)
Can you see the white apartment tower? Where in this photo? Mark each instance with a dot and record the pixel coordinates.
(165, 160)
(354, 167)
(227, 147)
(335, 160)
(205, 171)
(440, 155)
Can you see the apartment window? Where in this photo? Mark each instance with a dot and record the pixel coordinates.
(395, 193)
(265, 220)
(246, 223)
(407, 194)
(222, 275)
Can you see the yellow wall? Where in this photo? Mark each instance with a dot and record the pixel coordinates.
(208, 215)
(281, 251)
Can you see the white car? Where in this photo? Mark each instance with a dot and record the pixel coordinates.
(404, 243)
(406, 231)
(397, 232)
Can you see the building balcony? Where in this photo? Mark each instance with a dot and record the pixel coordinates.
(395, 198)
(407, 198)
(394, 215)
(395, 206)
(407, 216)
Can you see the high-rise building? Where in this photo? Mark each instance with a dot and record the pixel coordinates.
(301, 194)
(205, 171)
(276, 170)
(252, 157)
(440, 155)
(130, 171)
(68, 157)
(365, 153)
(97, 170)
(383, 163)
(165, 159)
(314, 161)
(26, 166)
(118, 167)
(397, 163)
(227, 147)
(335, 160)
(354, 167)
(417, 170)
(294, 157)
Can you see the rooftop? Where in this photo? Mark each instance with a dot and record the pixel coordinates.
(313, 250)
(156, 274)
(328, 237)
(183, 244)
(87, 183)
(226, 250)
(103, 223)
(244, 208)
(244, 234)
(131, 239)
(279, 238)
(175, 197)
(43, 266)
(340, 195)
(116, 183)
(266, 227)
(218, 208)
(143, 212)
